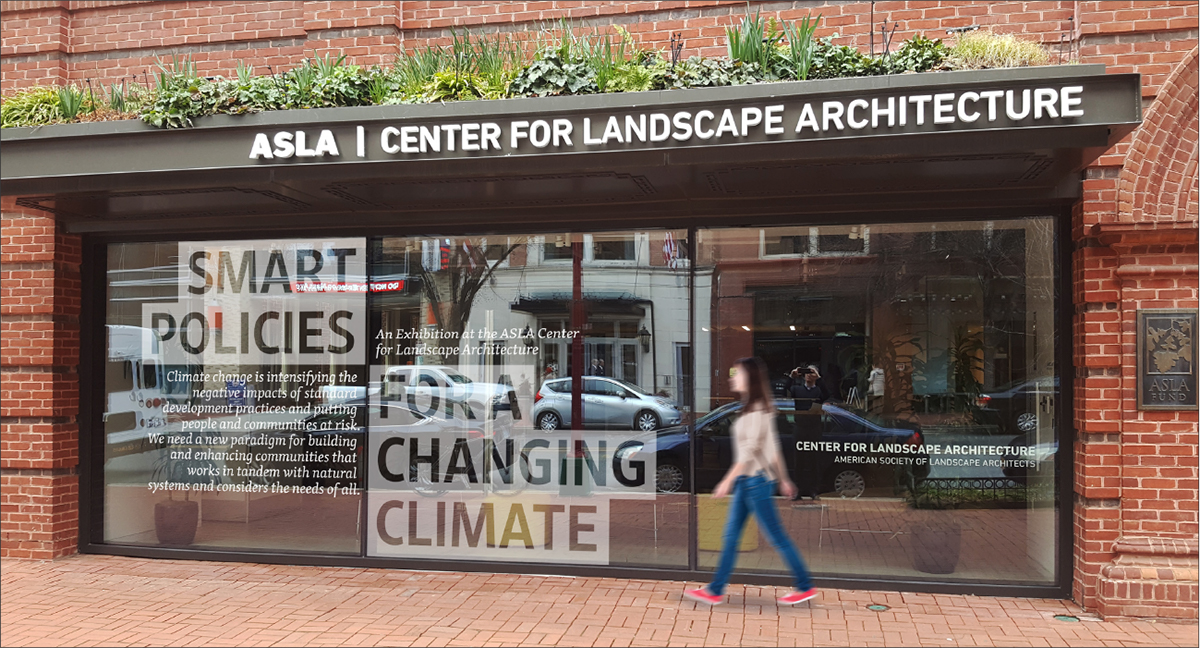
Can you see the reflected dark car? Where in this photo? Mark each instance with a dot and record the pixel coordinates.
(1026, 450)
(1016, 408)
(894, 456)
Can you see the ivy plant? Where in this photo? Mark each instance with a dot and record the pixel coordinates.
(340, 86)
(831, 61)
(699, 72)
(554, 74)
(918, 54)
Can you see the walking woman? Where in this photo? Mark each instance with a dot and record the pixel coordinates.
(757, 465)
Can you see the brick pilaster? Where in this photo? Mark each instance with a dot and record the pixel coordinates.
(39, 386)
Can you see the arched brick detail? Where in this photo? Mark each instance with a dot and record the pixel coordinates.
(1158, 181)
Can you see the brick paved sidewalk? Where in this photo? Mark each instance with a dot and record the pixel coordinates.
(113, 601)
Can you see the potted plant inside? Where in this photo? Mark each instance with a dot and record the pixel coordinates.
(177, 518)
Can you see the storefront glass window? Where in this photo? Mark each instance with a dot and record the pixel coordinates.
(234, 379)
(932, 455)
(561, 398)
(516, 394)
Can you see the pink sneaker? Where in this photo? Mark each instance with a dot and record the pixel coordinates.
(702, 596)
(798, 597)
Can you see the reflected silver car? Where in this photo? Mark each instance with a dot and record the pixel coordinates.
(607, 403)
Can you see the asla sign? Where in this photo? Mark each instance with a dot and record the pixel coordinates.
(800, 120)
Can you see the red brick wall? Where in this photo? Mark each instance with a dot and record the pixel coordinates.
(1134, 231)
(58, 42)
(39, 386)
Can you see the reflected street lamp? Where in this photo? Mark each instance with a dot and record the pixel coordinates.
(644, 337)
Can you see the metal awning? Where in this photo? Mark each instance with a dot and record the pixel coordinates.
(129, 177)
(598, 303)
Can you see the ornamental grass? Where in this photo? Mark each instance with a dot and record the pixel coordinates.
(980, 50)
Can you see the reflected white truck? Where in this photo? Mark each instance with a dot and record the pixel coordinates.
(134, 380)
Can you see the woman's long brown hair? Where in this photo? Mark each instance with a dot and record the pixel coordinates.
(758, 385)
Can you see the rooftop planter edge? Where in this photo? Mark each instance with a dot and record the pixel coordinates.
(559, 104)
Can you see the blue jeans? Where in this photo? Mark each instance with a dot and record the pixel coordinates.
(752, 493)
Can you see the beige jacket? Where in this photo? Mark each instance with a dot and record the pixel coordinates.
(756, 442)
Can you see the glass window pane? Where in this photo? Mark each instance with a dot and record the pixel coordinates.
(934, 449)
(782, 241)
(557, 247)
(235, 371)
(620, 247)
(847, 238)
(538, 452)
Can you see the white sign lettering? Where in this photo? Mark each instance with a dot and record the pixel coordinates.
(833, 117)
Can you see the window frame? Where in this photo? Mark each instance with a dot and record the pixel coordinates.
(92, 347)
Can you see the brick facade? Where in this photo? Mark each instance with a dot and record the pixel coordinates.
(63, 41)
(1134, 231)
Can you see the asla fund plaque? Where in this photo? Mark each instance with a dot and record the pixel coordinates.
(1166, 359)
